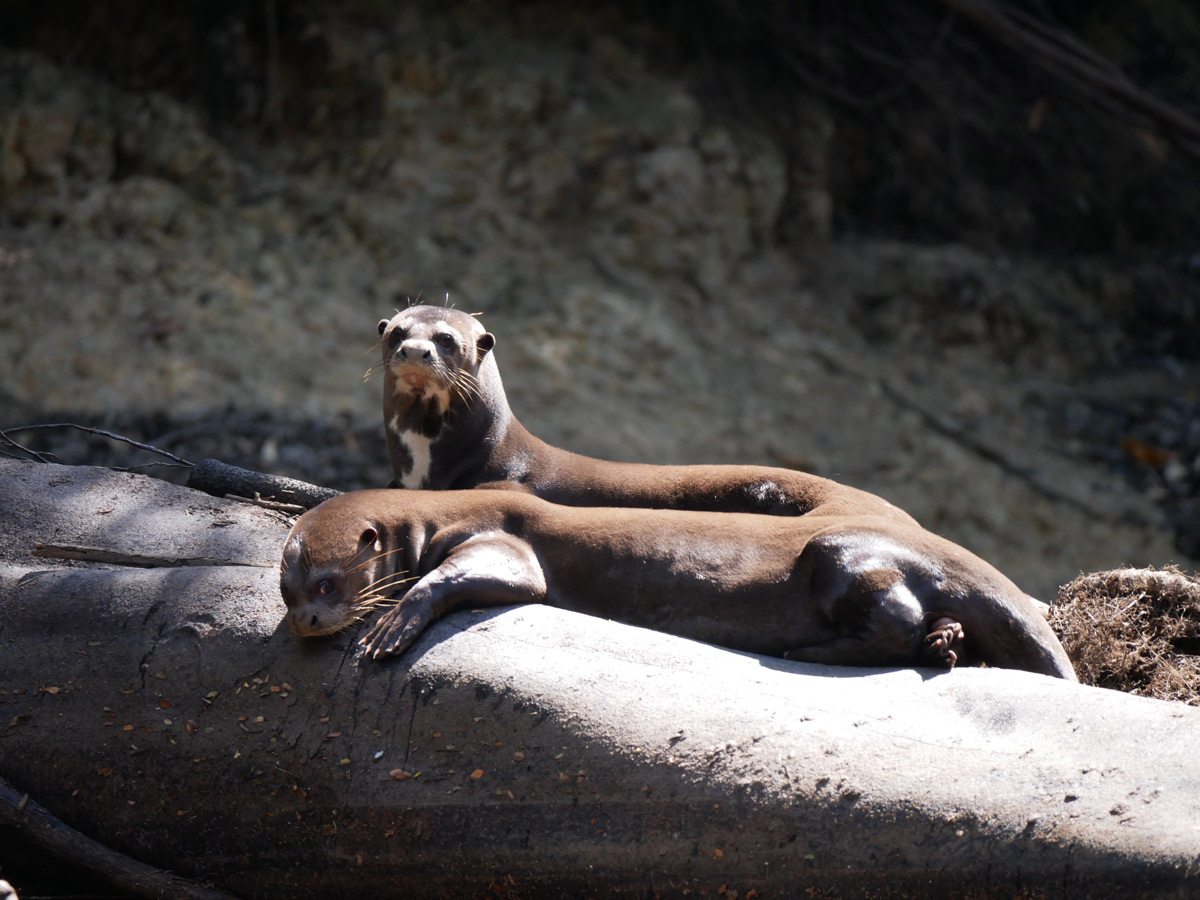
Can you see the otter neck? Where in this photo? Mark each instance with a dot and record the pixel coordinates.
(470, 434)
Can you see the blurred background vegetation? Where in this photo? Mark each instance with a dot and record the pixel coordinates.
(946, 250)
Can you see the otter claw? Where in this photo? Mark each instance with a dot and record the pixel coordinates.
(392, 634)
(939, 643)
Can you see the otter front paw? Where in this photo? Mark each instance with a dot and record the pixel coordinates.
(395, 631)
(939, 645)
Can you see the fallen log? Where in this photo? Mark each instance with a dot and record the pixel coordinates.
(223, 480)
(533, 752)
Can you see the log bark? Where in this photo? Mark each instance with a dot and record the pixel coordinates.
(222, 480)
(533, 752)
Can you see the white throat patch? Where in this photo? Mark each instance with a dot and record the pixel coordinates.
(418, 448)
(418, 445)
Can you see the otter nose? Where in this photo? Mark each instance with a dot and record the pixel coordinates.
(416, 351)
(296, 618)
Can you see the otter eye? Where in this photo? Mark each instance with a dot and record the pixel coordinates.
(325, 587)
(445, 341)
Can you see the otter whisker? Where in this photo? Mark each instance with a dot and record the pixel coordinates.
(347, 562)
(394, 588)
(466, 389)
(344, 561)
(402, 574)
(466, 377)
(370, 600)
(366, 562)
(460, 393)
(466, 386)
(360, 610)
(365, 606)
(399, 577)
(382, 584)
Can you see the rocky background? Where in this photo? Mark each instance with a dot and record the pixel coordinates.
(864, 239)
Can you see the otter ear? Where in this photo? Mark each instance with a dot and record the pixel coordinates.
(370, 537)
(484, 343)
(383, 324)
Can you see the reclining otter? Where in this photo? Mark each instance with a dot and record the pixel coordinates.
(848, 590)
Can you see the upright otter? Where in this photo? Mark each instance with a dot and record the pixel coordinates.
(850, 590)
(449, 426)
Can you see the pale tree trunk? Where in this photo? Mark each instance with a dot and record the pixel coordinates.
(165, 711)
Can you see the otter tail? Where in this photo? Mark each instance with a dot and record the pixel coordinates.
(1006, 628)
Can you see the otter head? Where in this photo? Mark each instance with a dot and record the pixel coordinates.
(332, 574)
(433, 354)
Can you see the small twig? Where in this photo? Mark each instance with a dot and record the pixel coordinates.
(8, 455)
(178, 462)
(38, 824)
(136, 467)
(117, 558)
(256, 500)
(11, 443)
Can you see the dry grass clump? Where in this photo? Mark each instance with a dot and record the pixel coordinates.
(1133, 630)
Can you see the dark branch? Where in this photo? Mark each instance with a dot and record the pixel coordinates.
(4, 435)
(1073, 62)
(221, 479)
(41, 826)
